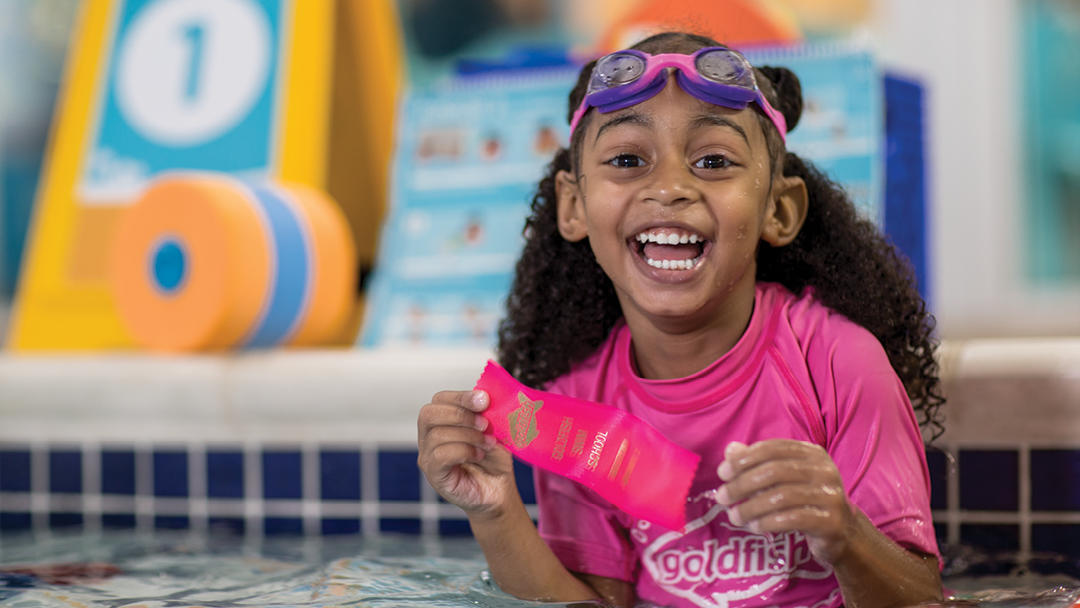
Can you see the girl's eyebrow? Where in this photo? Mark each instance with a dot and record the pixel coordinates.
(705, 120)
(633, 118)
(702, 120)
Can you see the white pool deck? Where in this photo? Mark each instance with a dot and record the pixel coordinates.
(1001, 392)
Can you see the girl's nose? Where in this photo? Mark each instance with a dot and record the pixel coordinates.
(671, 183)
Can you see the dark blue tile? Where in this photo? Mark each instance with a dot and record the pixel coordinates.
(225, 474)
(170, 474)
(283, 526)
(15, 471)
(401, 525)
(118, 472)
(65, 471)
(989, 480)
(332, 526)
(339, 474)
(118, 521)
(399, 477)
(941, 532)
(454, 527)
(523, 475)
(12, 521)
(938, 463)
(1063, 539)
(65, 520)
(229, 526)
(1053, 480)
(282, 475)
(991, 537)
(172, 522)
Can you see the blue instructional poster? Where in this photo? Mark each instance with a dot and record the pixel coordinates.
(469, 156)
(467, 160)
(190, 84)
(842, 126)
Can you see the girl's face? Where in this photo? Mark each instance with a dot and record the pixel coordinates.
(674, 194)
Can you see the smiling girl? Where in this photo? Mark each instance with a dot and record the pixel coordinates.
(682, 266)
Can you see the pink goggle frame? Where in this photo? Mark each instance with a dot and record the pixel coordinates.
(717, 75)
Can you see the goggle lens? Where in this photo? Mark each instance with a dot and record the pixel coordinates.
(616, 69)
(726, 68)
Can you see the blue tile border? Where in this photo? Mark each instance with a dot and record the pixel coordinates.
(282, 473)
(400, 525)
(225, 474)
(1054, 476)
(399, 478)
(340, 526)
(989, 480)
(937, 462)
(1056, 538)
(118, 472)
(65, 520)
(172, 522)
(118, 521)
(283, 526)
(340, 475)
(15, 521)
(14, 470)
(65, 471)
(170, 473)
(257, 491)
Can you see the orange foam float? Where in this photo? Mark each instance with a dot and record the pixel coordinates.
(210, 262)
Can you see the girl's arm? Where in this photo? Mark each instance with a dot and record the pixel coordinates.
(782, 485)
(469, 470)
(875, 571)
(524, 566)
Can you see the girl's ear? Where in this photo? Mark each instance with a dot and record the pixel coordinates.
(790, 202)
(570, 207)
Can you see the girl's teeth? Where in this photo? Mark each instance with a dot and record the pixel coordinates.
(673, 264)
(668, 239)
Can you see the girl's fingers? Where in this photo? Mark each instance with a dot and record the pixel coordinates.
(739, 458)
(440, 435)
(784, 498)
(476, 401)
(771, 474)
(450, 455)
(811, 520)
(441, 414)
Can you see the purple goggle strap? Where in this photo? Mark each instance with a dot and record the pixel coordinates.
(652, 81)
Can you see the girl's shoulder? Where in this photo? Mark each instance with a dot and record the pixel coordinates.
(819, 332)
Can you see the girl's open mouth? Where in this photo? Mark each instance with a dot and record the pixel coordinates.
(670, 248)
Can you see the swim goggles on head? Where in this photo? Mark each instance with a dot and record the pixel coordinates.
(715, 74)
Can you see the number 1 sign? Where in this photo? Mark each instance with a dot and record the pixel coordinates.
(191, 84)
(154, 86)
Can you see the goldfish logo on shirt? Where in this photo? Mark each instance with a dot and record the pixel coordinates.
(523, 421)
(713, 564)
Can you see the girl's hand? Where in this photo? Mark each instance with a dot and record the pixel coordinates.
(783, 485)
(465, 466)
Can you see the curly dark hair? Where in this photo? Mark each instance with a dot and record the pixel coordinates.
(562, 306)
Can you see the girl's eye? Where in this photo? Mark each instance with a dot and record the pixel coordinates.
(627, 161)
(713, 161)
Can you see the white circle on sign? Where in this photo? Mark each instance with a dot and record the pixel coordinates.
(189, 70)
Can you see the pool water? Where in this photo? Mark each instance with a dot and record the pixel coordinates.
(144, 571)
(161, 570)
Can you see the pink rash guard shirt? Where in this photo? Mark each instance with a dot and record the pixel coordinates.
(800, 371)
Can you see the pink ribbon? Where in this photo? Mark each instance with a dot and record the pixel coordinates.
(612, 452)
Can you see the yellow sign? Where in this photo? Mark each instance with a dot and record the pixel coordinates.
(151, 86)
